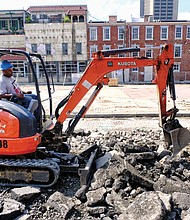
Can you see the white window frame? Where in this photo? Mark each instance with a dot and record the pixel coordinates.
(135, 36)
(177, 28)
(93, 34)
(135, 54)
(105, 29)
(106, 47)
(161, 33)
(188, 32)
(147, 34)
(121, 32)
(149, 49)
(93, 48)
(176, 46)
(121, 47)
(176, 67)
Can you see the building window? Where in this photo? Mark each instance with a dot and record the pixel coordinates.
(65, 48)
(43, 16)
(106, 33)
(14, 25)
(48, 49)
(148, 52)
(178, 32)
(93, 49)
(34, 17)
(4, 25)
(121, 31)
(81, 66)
(34, 48)
(78, 48)
(121, 54)
(106, 47)
(188, 32)
(135, 54)
(177, 50)
(93, 33)
(75, 18)
(134, 70)
(81, 18)
(67, 68)
(163, 32)
(176, 67)
(149, 33)
(135, 33)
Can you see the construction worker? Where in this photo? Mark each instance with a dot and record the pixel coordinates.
(10, 89)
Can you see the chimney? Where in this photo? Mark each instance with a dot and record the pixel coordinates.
(113, 19)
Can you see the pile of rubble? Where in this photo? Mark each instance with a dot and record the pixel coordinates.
(136, 178)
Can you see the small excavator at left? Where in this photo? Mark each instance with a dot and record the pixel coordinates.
(30, 152)
(35, 152)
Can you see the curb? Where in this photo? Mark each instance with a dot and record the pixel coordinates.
(147, 115)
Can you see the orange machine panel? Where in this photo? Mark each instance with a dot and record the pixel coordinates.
(10, 141)
(19, 146)
(9, 125)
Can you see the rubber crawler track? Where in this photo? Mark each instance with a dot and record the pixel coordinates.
(18, 165)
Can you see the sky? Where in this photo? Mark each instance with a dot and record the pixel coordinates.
(99, 10)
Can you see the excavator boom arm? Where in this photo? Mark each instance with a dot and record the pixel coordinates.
(101, 65)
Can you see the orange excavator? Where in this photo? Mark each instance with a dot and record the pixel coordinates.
(35, 151)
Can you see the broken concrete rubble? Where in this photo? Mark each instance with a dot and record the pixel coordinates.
(133, 181)
(25, 193)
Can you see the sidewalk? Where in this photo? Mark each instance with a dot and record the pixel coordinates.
(127, 101)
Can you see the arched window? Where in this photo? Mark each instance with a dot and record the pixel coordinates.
(81, 18)
(75, 18)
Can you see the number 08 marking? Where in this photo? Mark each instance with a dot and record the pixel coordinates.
(3, 144)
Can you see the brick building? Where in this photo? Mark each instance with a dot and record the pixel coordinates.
(150, 36)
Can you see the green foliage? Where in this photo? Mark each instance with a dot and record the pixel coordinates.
(28, 19)
(66, 19)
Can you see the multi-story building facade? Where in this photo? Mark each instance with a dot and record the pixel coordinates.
(66, 41)
(150, 36)
(59, 34)
(12, 35)
(159, 10)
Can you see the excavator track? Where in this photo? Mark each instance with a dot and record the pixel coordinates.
(23, 172)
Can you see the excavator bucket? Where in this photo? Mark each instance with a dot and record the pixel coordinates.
(180, 138)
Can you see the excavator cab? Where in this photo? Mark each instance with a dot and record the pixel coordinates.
(20, 128)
